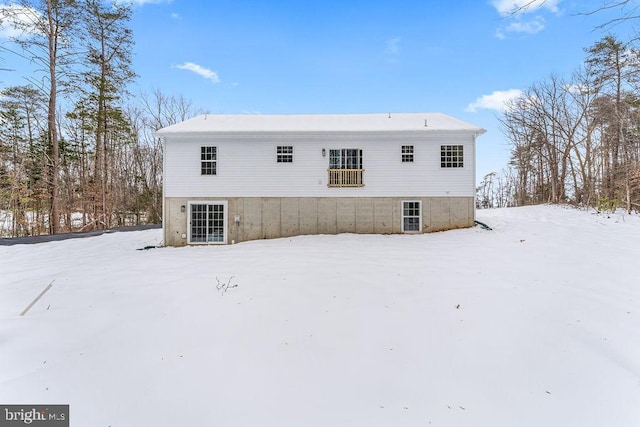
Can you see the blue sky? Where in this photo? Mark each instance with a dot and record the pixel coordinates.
(462, 58)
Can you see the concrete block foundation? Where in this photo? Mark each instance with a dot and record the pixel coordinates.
(275, 217)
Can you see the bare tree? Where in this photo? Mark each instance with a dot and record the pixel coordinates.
(614, 67)
(108, 61)
(548, 126)
(22, 154)
(47, 38)
(157, 110)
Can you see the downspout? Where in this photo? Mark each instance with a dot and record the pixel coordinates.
(475, 167)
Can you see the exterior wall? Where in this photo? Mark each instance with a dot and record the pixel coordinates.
(247, 167)
(274, 217)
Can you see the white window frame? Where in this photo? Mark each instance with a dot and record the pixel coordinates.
(211, 163)
(225, 218)
(284, 154)
(452, 156)
(403, 216)
(346, 168)
(407, 153)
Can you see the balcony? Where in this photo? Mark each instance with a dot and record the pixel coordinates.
(345, 178)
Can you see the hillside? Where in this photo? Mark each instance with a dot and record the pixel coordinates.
(536, 323)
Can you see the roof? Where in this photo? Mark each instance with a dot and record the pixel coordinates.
(208, 123)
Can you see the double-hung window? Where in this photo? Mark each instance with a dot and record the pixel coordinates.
(284, 154)
(208, 160)
(411, 216)
(407, 154)
(451, 156)
(345, 168)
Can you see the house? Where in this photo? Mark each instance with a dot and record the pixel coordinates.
(233, 178)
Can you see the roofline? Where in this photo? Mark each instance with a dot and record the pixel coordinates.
(228, 124)
(475, 131)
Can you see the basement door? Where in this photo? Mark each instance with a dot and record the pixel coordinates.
(207, 222)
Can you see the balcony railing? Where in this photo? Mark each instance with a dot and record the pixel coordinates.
(345, 178)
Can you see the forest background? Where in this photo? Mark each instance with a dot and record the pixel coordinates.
(75, 144)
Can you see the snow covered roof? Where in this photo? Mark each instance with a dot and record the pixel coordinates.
(320, 123)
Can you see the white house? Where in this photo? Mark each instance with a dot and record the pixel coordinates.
(233, 178)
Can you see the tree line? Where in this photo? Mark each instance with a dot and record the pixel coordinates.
(77, 150)
(575, 139)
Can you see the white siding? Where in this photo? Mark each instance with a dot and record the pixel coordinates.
(247, 165)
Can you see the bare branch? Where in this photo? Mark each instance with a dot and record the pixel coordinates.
(525, 7)
(628, 8)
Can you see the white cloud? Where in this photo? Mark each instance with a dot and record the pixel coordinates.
(511, 7)
(17, 20)
(392, 50)
(200, 70)
(495, 101)
(581, 89)
(514, 11)
(528, 27)
(176, 16)
(393, 46)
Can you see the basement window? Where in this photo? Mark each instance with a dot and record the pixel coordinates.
(411, 216)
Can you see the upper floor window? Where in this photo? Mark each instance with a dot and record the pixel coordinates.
(284, 154)
(208, 159)
(407, 153)
(451, 156)
(345, 168)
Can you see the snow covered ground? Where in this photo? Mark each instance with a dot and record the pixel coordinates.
(536, 323)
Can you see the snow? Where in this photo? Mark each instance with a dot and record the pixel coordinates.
(320, 123)
(534, 323)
